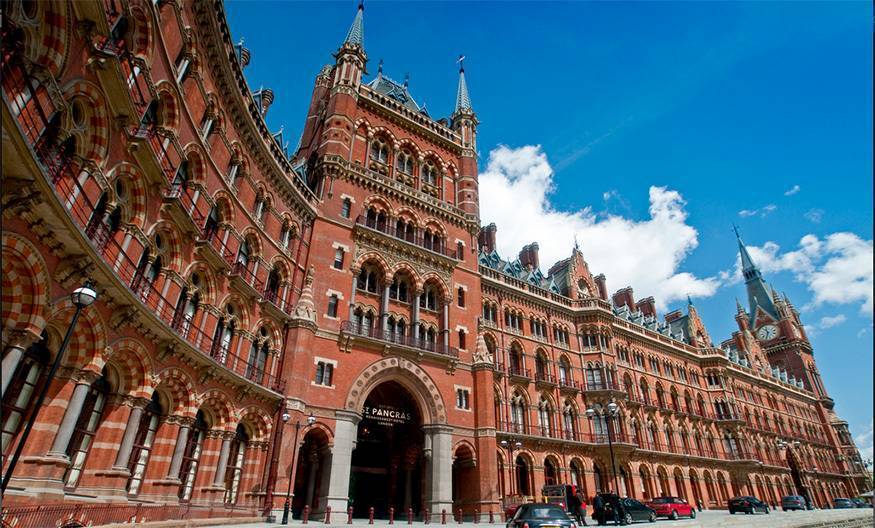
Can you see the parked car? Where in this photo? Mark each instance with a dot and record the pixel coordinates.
(862, 503)
(672, 507)
(793, 502)
(540, 515)
(841, 503)
(630, 510)
(747, 505)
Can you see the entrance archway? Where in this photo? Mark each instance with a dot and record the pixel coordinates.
(311, 477)
(388, 463)
(464, 474)
(522, 476)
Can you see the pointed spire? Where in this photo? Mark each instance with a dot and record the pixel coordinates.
(406, 80)
(746, 262)
(463, 100)
(738, 307)
(689, 300)
(380, 69)
(356, 34)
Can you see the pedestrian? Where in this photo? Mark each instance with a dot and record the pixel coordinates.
(598, 504)
(582, 508)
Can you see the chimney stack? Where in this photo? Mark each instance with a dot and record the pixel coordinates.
(529, 256)
(602, 284)
(624, 297)
(647, 306)
(673, 316)
(486, 238)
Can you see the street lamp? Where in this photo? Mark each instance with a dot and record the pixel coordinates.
(81, 298)
(310, 421)
(510, 446)
(610, 414)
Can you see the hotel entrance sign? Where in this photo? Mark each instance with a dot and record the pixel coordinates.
(386, 415)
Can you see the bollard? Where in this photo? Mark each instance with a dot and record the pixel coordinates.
(349, 515)
(409, 515)
(371, 515)
(476, 516)
(306, 515)
(460, 515)
(426, 516)
(444, 516)
(491, 517)
(391, 515)
(328, 515)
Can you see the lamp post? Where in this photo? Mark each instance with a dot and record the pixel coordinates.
(611, 413)
(510, 446)
(81, 298)
(287, 505)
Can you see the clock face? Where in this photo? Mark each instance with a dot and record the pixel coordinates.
(767, 332)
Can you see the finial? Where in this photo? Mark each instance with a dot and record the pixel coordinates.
(380, 68)
(576, 245)
(461, 61)
(406, 79)
(361, 5)
(241, 42)
(689, 300)
(735, 228)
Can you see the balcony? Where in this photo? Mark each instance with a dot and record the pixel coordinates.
(568, 384)
(272, 302)
(519, 373)
(544, 378)
(211, 248)
(603, 388)
(159, 162)
(181, 204)
(245, 281)
(498, 368)
(416, 240)
(730, 418)
(382, 337)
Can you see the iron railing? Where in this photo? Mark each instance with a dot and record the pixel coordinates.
(389, 336)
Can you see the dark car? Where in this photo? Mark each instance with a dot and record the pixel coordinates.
(793, 502)
(629, 510)
(747, 505)
(841, 503)
(540, 515)
(862, 503)
(672, 507)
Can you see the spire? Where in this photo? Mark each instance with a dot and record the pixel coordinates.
(356, 34)
(747, 265)
(689, 300)
(757, 292)
(463, 100)
(738, 307)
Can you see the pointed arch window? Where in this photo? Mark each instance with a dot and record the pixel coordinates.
(191, 456)
(429, 173)
(404, 162)
(234, 470)
(90, 417)
(143, 440)
(379, 151)
(26, 381)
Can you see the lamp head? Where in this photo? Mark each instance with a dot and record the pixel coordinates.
(84, 295)
(517, 444)
(590, 412)
(503, 443)
(286, 417)
(311, 419)
(612, 408)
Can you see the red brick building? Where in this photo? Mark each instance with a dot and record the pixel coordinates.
(335, 314)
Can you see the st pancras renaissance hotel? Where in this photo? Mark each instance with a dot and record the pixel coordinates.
(199, 321)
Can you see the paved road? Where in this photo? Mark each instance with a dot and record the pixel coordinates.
(706, 519)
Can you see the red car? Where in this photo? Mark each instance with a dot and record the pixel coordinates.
(672, 507)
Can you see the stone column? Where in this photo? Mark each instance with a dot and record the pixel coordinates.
(179, 450)
(345, 435)
(441, 492)
(384, 307)
(446, 323)
(352, 295)
(221, 466)
(127, 443)
(68, 424)
(415, 316)
(313, 463)
(13, 356)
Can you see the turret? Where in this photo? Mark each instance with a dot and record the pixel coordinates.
(464, 122)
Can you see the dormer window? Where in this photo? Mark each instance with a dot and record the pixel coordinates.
(379, 151)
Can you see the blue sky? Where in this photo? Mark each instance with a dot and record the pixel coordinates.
(646, 130)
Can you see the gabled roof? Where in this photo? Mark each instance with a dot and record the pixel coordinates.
(516, 270)
(397, 91)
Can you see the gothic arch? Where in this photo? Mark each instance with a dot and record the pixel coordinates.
(216, 404)
(256, 422)
(133, 181)
(25, 285)
(177, 385)
(132, 363)
(409, 375)
(86, 347)
(93, 133)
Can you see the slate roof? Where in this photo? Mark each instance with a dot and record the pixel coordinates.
(397, 91)
(516, 270)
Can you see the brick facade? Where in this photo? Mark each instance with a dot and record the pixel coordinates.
(254, 301)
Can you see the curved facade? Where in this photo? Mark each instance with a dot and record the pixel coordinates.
(336, 314)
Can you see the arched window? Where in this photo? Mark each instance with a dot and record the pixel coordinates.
(569, 421)
(564, 371)
(398, 290)
(594, 377)
(255, 365)
(379, 150)
(541, 370)
(25, 382)
(211, 226)
(191, 456)
(143, 440)
(224, 335)
(545, 417)
(90, 417)
(518, 413)
(243, 254)
(429, 173)
(180, 180)
(234, 471)
(260, 206)
(404, 163)
(367, 280)
(186, 307)
(428, 298)
(272, 288)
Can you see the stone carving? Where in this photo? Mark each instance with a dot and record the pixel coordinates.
(305, 309)
(481, 353)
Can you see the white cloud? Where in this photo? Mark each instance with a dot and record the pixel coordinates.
(645, 254)
(864, 442)
(831, 321)
(836, 269)
(814, 215)
(793, 190)
(762, 211)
